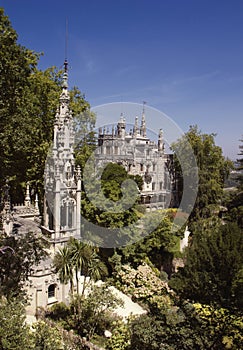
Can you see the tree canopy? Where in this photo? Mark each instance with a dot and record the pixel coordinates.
(21, 253)
(213, 170)
(213, 268)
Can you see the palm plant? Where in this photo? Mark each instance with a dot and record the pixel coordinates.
(78, 257)
(63, 266)
(78, 254)
(95, 268)
(86, 261)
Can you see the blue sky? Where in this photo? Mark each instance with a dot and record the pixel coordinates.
(184, 57)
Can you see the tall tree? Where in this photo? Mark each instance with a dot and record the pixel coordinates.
(16, 65)
(14, 333)
(78, 258)
(233, 199)
(87, 262)
(213, 169)
(63, 266)
(157, 246)
(213, 268)
(79, 255)
(239, 166)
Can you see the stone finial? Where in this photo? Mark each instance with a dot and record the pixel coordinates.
(7, 219)
(36, 202)
(27, 195)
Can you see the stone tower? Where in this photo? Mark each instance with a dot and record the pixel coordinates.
(61, 217)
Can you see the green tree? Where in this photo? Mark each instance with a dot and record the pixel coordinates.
(212, 267)
(16, 262)
(85, 146)
(90, 314)
(86, 261)
(95, 268)
(17, 63)
(157, 246)
(63, 265)
(187, 327)
(234, 205)
(14, 333)
(116, 173)
(78, 258)
(109, 194)
(28, 102)
(213, 169)
(234, 199)
(120, 339)
(47, 336)
(84, 119)
(147, 334)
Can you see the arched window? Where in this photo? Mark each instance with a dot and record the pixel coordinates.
(51, 290)
(63, 215)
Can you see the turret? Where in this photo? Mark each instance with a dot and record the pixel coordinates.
(121, 127)
(135, 129)
(160, 141)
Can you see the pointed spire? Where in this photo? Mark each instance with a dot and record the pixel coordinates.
(64, 97)
(143, 122)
